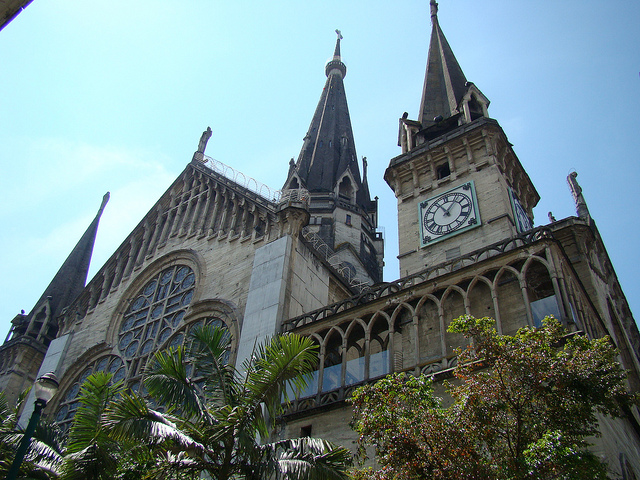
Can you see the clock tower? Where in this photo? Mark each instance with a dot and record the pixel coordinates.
(460, 186)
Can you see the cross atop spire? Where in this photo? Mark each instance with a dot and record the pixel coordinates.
(335, 66)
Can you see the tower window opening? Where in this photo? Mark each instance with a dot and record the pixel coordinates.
(443, 171)
(345, 190)
(348, 221)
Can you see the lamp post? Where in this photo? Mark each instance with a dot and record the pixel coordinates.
(44, 389)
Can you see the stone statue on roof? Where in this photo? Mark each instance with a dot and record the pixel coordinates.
(206, 135)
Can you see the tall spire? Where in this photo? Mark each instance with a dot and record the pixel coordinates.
(445, 84)
(72, 276)
(329, 149)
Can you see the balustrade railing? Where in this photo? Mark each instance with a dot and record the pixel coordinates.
(389, 288)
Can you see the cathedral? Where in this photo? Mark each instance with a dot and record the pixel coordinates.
(308, 258)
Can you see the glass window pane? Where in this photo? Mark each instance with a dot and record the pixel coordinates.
(543, 307)
(379, 364)
(355, 371)
(331, 378)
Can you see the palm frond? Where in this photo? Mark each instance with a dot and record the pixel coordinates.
(92, 462)
(8, 416)
(129, 418)
(284, 360)
(166, 379)
(22, 398)
(44, 456)
(5, 411)
(307, 458)
(210, 352)
(49, 433)
(95, 394)
(177, 466)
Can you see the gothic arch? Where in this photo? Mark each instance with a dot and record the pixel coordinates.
(354, 323)
(430, 333)
(225, 310)
(94, 360)
(89, 355)
(332, 350)
(452, 305)
(355, 351)
(404, 336)
(511, 303)
(379, 360)
(536, 258)
(480, 295)
(347, 187)
(540, 290)
(425, 298)
(217, 309)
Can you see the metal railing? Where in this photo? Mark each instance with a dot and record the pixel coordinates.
(275, 196)
(332, 259)
(386, 289)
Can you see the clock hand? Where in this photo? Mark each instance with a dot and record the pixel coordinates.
(448, 210)
(443, 209)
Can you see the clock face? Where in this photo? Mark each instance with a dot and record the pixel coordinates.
(522, 220)
(449, 213)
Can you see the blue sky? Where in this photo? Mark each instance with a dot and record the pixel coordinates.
(101, 96)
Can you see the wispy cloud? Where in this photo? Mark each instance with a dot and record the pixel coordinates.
(59, 188)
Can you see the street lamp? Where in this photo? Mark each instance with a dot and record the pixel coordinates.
(44, 389)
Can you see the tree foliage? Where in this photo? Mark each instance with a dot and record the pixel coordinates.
(215, 425)
(203, 419)
(521, 407)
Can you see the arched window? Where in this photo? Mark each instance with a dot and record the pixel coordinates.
(453, 307)
(182, 338)
(542, 297)
(513, 313)
(355, 356)
(154, 315)
(429, 332)
(379, 349)
(312, 380)
(345, 190)
(332, 371)
(69, 403)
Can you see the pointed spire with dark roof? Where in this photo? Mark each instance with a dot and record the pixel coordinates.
(445, 84)
(329, 149)
(72, 276)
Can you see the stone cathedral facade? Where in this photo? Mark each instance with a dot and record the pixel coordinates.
(308, 259)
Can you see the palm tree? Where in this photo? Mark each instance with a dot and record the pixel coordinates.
(43, 457)
(91, 453)
(214, 424)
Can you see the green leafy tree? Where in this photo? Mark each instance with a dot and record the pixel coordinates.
(521, 408)
(214, 426)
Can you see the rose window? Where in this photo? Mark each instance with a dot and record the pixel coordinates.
(154, 315)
